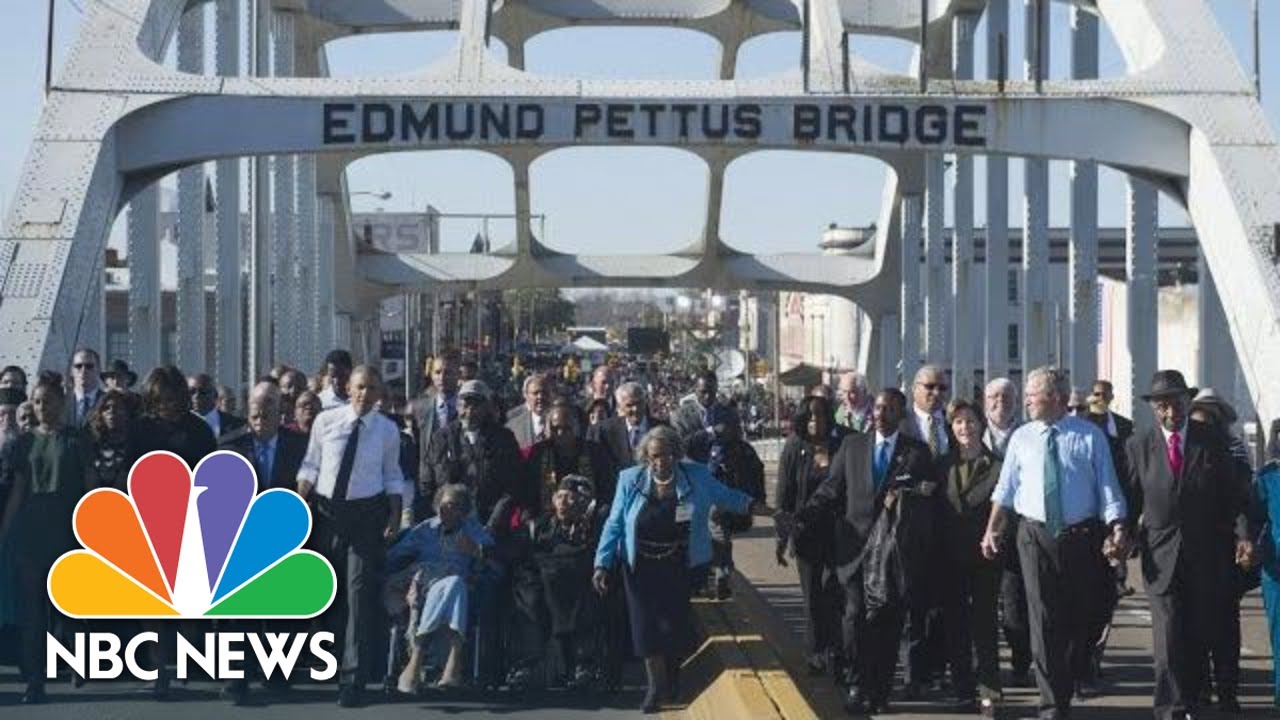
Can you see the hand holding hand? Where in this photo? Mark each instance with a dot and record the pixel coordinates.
(1245, 554)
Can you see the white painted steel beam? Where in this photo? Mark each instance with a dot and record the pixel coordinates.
(284, 216)
(1037, 308)
(995, 353)
(937, 295)
(1084, 332)
(1217, 367)
(912, 303)
(144, 279)
(966, 329)
(1141, 293)
(228, 365)
(190, 233)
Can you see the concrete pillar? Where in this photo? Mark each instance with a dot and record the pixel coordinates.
(937, 297)
(1218, 365)
(229, 323)
(995, 357)
(911, 302)
(144, 280)
(1037, 310)
(284, 230)
(964, 330)
(191, 322)
(1143, 307)
(1083, 341)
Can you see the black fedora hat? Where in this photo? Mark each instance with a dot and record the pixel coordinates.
(1168, 383)
(119, 371)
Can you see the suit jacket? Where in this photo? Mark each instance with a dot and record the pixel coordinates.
(797, 481)
(228, 424)
(491, 468)
(1189, 519)
(520, 423)
(965, 513)
(424, 414)
(910, 429)
(612, 434)
(1117, 442)
(291, 448)
(998, 447)
(71, 409)
(849, 491)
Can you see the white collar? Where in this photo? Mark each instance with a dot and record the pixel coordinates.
(1182, 433)
(890, 440)
(922, 419)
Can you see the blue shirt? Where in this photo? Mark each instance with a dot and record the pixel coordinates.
(428, 545)
(696, 487)
(1088, 485)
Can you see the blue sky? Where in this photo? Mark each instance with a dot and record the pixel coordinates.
(621, 200)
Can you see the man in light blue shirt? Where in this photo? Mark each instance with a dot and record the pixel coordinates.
(1058, 477)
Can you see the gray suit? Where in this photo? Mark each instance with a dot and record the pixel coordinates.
(520, 423)
(424, 414)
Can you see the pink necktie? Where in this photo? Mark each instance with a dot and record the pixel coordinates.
(1175, 453)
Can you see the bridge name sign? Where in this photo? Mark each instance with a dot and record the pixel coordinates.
(877, 123)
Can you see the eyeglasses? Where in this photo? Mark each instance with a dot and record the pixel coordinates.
(83, 366)
(940, 387)
(201, 391)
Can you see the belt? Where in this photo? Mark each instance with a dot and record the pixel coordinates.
(329, 505)
(1083, 527)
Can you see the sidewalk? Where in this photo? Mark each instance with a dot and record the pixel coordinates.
(771, 595)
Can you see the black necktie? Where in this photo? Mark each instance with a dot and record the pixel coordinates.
(348, 461)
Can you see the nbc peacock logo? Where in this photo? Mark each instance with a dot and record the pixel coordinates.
(192, 545)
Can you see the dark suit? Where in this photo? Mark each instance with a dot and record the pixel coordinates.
(926, 628)
(814, 557)
(970, 582)
(228, 424)
(612, 434)
(428, 422)
(851, 494)
(291, 448)
(520, 423)
(1187, 533)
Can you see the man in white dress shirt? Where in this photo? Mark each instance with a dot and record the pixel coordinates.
(353, 467)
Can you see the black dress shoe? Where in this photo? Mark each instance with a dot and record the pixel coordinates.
(1230, 705)
(34, 695)
(350, 696)
(911, 691)
(855, 703)
(880, 707)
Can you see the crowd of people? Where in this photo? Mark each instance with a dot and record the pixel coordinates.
(543, 545)
(550, 542)
(937, 524)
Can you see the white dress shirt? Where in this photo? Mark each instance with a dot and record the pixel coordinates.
(940, 427)
(377, 462)
(329, 399)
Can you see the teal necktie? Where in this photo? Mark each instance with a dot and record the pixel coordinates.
(1052, 484)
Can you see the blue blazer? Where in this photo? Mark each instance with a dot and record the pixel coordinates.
(695, 486)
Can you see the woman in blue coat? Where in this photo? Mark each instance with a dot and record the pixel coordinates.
(658, 523)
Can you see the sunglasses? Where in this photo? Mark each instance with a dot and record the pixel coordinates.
(1078, 408)
(83, 366)
(940, 387)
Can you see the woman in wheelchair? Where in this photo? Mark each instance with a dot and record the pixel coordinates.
(437, 561)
